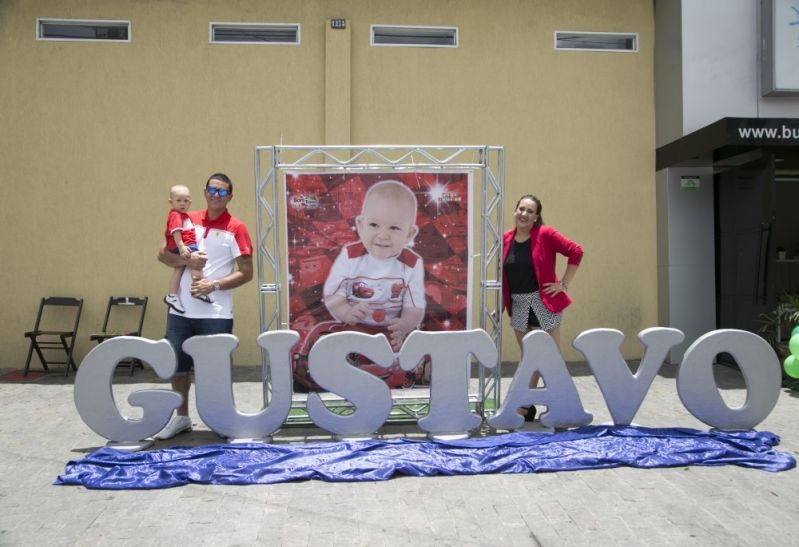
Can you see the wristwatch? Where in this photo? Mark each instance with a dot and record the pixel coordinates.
(217, 285)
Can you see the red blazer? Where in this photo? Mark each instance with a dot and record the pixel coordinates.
(545, 241)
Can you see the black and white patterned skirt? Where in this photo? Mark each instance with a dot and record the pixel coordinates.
(524, 304)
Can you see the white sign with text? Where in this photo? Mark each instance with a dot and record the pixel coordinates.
(452, 354)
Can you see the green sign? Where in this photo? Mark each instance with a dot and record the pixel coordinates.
(689, 183)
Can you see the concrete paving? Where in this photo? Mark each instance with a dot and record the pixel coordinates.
(41, 431)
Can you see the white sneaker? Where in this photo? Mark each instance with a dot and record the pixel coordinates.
(178, 424)
(173, 301)
(205, 298)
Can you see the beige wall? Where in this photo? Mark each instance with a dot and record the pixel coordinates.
(95, 133)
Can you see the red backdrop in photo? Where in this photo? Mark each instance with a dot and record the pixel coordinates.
(321, 212)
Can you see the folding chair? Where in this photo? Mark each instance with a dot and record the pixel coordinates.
(55, 329)
(124, 316)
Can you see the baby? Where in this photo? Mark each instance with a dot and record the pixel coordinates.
(180, 239)
(378, 281)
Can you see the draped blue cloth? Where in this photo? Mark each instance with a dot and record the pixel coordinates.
(592, 447)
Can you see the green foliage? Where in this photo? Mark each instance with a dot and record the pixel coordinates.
(785, 317)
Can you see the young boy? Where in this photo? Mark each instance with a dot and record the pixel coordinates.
(378, 281)
(180, 240)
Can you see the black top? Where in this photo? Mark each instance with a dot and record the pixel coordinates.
(519, 269)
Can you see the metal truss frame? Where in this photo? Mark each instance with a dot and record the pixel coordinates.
(488, 166)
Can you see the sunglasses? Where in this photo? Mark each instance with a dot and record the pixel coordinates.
(221, 192)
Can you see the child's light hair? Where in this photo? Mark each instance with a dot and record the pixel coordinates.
(392, 189)
(179, 189)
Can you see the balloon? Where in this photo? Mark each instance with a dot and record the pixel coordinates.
(791, 366)
(795, 330)
(793, 344)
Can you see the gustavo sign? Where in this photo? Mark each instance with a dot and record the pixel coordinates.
(451, 354)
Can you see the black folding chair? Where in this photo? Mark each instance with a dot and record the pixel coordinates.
(55, 330)
(124, 316)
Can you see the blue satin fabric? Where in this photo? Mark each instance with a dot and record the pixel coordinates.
(592, 447)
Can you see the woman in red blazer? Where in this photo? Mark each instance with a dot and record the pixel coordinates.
(532, 294)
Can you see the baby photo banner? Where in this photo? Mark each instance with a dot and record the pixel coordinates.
(376, 252)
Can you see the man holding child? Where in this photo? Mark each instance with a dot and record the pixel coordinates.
(225, 257)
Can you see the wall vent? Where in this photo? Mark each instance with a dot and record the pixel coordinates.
(82, 30)
(387, 35)
(596, 41)
(254, 33)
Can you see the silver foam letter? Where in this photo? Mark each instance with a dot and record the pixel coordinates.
(540, 354)
(327, 363)
(449, 383)
(759, 365)
(622, 390)
(94, 397)
(212, 356)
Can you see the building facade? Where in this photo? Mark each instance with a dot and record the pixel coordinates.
(95, 131)
(727, 161)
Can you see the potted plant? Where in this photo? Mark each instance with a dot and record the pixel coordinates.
(777, 324)
(781, 253)
(776, 327)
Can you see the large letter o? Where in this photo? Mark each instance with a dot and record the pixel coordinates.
(759, 365)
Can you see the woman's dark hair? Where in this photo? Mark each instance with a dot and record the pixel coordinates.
(221, 177)
(540, 220)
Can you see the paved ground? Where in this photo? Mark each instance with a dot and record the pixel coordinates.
(40, 431)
